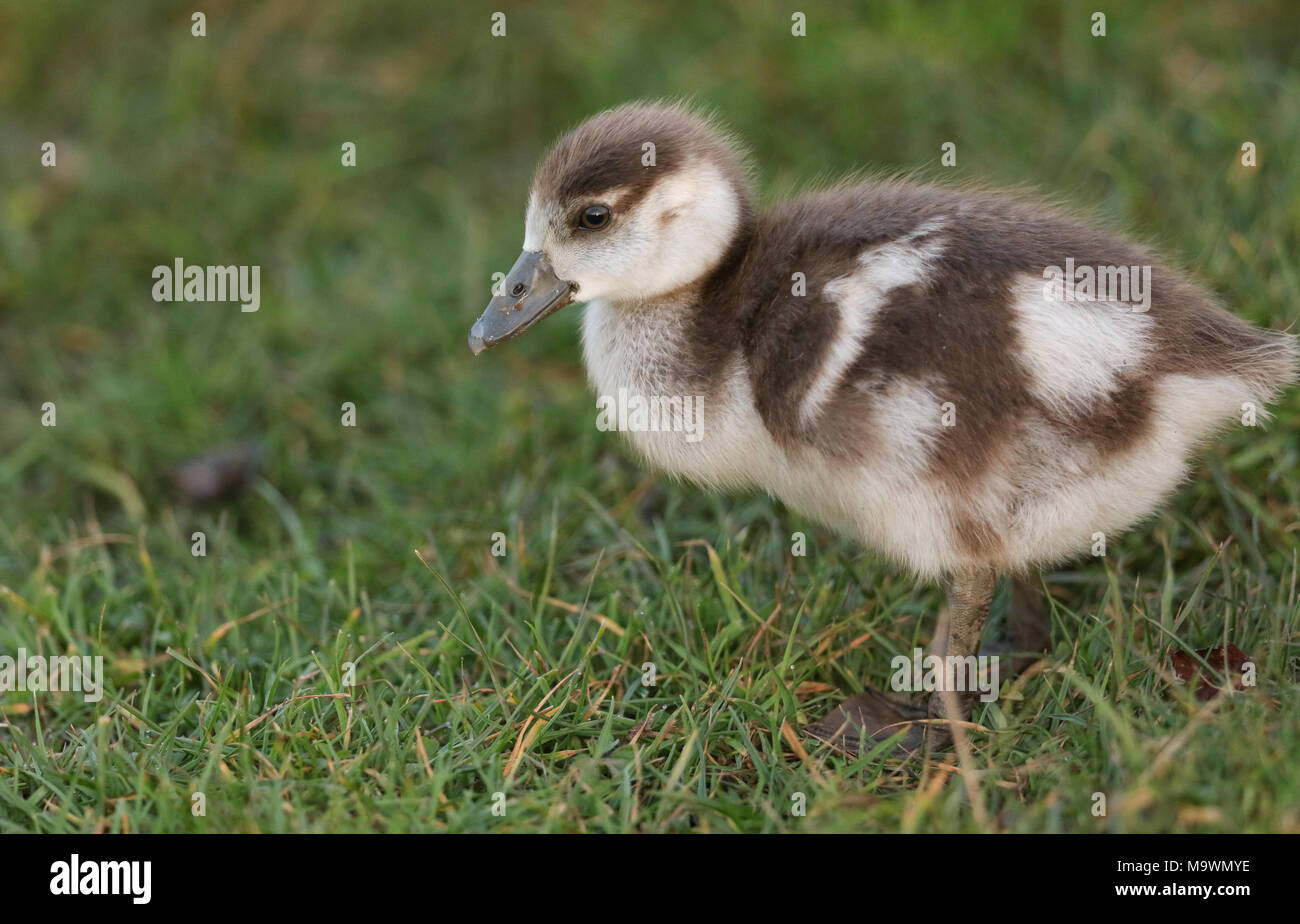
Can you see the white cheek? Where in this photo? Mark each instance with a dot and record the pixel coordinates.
(671, 238)
(706, 215)
(620, 267)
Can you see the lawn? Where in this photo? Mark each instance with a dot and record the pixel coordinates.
(350, 654)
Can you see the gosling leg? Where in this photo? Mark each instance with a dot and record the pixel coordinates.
(970, 594)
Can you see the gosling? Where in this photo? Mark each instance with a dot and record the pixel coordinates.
(972, 383)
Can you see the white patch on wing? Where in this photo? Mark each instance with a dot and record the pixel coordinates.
(858, 296)
(1075, 351)
(906, 418)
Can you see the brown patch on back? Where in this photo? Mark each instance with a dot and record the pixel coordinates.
(787, 358)
(786, 337)
(954, 328)
(965, 340)
(957, 327)
(714, 334)
(1115, 422)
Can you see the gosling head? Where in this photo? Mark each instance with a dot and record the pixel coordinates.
(634, 203)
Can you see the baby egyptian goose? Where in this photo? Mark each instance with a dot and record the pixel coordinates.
(970, 383)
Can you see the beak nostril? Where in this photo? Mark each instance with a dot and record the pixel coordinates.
(529, 292)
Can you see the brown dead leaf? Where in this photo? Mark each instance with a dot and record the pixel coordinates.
(217, 475)
(809, 687)
(1189, 670)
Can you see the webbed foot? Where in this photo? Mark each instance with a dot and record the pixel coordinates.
(870, 717)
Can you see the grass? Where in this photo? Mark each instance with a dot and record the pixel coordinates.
(522, 674)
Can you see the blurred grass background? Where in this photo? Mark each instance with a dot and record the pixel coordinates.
(226, 150)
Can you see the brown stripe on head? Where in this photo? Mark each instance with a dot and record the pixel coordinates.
(609, 152)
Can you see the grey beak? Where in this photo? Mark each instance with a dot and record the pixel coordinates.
(529, 293)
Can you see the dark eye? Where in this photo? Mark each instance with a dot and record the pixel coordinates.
(594, 217)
